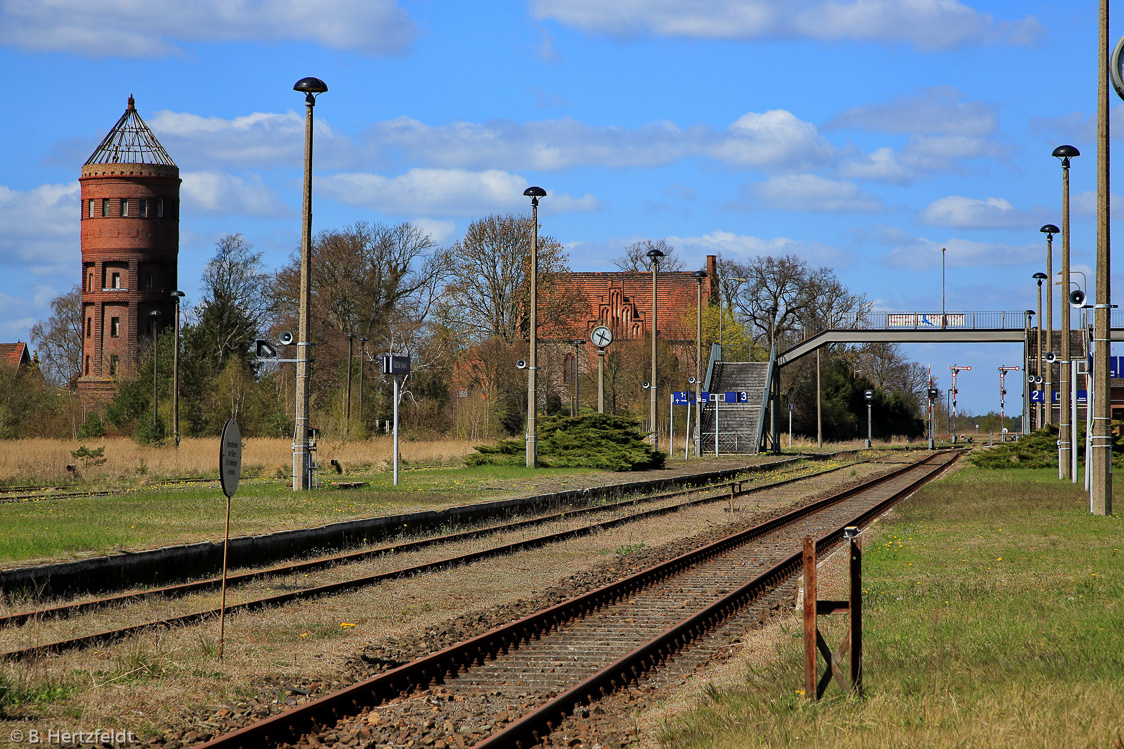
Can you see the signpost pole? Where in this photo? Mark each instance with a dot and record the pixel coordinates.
(671, 425)
(687, 440)
(230, 470)
(396, 430)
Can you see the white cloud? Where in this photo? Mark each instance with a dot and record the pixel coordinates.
(259, 139)
(776, 139)
(217, 192)
(742, 246)
(958, 212)
(939, 152)
(926, 24)
(439, 231)
(881, 165)
(446, 192)
(808, 192)
(920, 254)
(132, 28)
(39, 230)
(933, 110)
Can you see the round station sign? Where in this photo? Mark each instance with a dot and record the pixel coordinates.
(230, 458)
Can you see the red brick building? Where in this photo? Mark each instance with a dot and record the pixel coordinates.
(130, 249)
(14, 355)
(622, 301)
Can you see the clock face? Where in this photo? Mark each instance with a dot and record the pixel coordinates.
(601, 336)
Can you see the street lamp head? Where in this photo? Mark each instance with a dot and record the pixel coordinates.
(178, 295)
(699, 275)
(1049, 230)
(1040, 277)
(1065, 153)
(154, 313)
(654, 256)
(1030, 313)
(534, 193)
(310, 87)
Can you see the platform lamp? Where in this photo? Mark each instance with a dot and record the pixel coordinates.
(1049, 230)
(1027, 383)
(350, 366)
(577, 344)
(699, 275)
(1039, 277)
(155, 316)
(774, 377)
(654, 256)
(310, 87)
(178, 295)
(534, 193)
(1065, 428)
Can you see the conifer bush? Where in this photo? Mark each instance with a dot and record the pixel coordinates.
(610, 442)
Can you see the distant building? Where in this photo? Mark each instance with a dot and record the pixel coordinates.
(130, 249)
(14, 355)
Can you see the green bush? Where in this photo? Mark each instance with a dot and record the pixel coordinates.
(604, 441)
(92, 426)
(1039, 449)
(149, 433)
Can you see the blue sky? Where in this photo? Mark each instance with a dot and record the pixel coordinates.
(863, 135)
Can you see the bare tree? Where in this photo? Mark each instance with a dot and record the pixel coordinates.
(635, 257)
(58, 340)
(488, 293)
(786, 292)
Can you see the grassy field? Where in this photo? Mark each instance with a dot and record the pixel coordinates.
(146, 517)
(993, 616)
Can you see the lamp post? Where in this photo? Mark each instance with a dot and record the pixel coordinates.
(310, 87)
(869, 395)
(362, 363)
(774, 378)
(155, 315)
(534, 193)
(350, 362)
(178, 295)
(1065, 428)
(699, 275)
(1049, 230)
(654, 256)
(1039, 277)
(577, 342)
(1100, 459)
(944, 316)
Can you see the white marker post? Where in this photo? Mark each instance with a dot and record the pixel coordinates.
(397, 367)
(230, 471)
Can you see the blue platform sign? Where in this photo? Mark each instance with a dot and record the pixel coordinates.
(686, 397)
(1037, 396)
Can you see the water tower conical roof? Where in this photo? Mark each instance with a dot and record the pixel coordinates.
(130, 142)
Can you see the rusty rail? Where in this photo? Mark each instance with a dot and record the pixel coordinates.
(289, 726)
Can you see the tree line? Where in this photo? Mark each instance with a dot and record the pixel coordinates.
(460, 313)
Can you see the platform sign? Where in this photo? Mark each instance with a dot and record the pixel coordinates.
(230, 458)
(393, 364)
(681, 397)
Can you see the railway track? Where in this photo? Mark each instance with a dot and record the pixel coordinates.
(564, 658)
(637, 508)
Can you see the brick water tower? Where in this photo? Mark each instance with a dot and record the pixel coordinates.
(130, 247)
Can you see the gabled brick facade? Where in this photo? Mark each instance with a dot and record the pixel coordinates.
(14, 355)
(622, 301)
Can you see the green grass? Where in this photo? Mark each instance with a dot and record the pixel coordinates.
(141, 519)
(993, 616)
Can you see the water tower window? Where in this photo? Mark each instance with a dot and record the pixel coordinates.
(124, 206)
(114, 363)
(90, 213)
(89, 327)
(142, 207)
(114, 327)
(115, 281)
(105, 207)
(160, 208)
